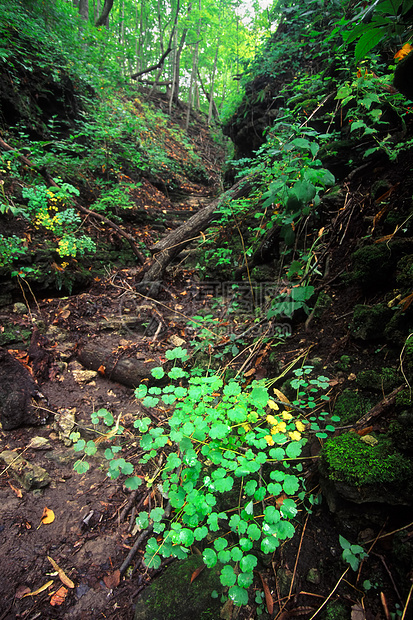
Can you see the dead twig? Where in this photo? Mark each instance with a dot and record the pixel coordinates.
(297, 557)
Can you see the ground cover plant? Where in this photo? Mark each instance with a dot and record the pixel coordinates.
(233, 468)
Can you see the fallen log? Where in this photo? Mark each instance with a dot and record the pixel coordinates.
(171, 245)
(116, 365)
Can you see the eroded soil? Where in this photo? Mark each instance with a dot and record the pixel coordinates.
(91, 534)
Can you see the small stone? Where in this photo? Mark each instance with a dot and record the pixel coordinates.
(40, 443)
(20, 308)
(84, 376)
(28, 475)
(64, 423)
(56, 334)
(313, 576)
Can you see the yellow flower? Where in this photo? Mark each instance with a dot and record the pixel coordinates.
(279, 428)
(269, 440)
(286, 415)
(272, 405)
(299, 426)
(295, 436)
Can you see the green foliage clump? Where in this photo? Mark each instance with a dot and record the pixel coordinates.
(348, 458)
(49, 211)
(232, 451)
(11, 248)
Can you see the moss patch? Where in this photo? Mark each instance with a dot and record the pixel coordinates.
(349, 459)
(173, 595)
(386, 380)
(369, 322)
(351, 406)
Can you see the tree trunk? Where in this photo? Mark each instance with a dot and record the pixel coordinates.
(103, 19)
(207, 97)
(178, 239)
(213, 110)
(84, 9)
(194, 71)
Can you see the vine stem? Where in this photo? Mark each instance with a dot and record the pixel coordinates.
(298, 555)
(331, 593)
(407, 602)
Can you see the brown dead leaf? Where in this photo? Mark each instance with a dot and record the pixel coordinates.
(280, 500)
(101, 369)
(112, 581)
(16, 491)
(197, 572)
(406, 302)
(250, 372)
(39, 590)
(62, 576)
(47, 516)
(357, 612)
(268, 597)
(59, 597)
(364, 431)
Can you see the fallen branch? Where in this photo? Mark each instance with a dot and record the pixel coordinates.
(171, 245)
(380, 408)
(45, 174)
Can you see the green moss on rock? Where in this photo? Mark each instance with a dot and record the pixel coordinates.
(369, 322)
(348, 458)
(373, 266)
(173, 595)
(383, 381)
(404, 277)
(351, 406)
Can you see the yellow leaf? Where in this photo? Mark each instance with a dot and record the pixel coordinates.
(269, 440)
(41, 589)
(299, 426)
(404, 51)
(62, 576)
(272, 405)
(295, 436)
(47, 516)
(286, 415)
(281, 396)
(271, 420)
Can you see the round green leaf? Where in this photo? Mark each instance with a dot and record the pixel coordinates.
(248, 563)
(238, 595)
(228, 576)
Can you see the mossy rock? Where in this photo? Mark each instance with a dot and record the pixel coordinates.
(404, 276)
(172, 595)
(401, 431)
(351, 406)
(364, 473)
(384, 381)
(369, 322)
(336, 610)
(324, 301)
(373, 266)
(399, 326)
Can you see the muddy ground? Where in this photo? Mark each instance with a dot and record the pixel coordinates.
(92, 532)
